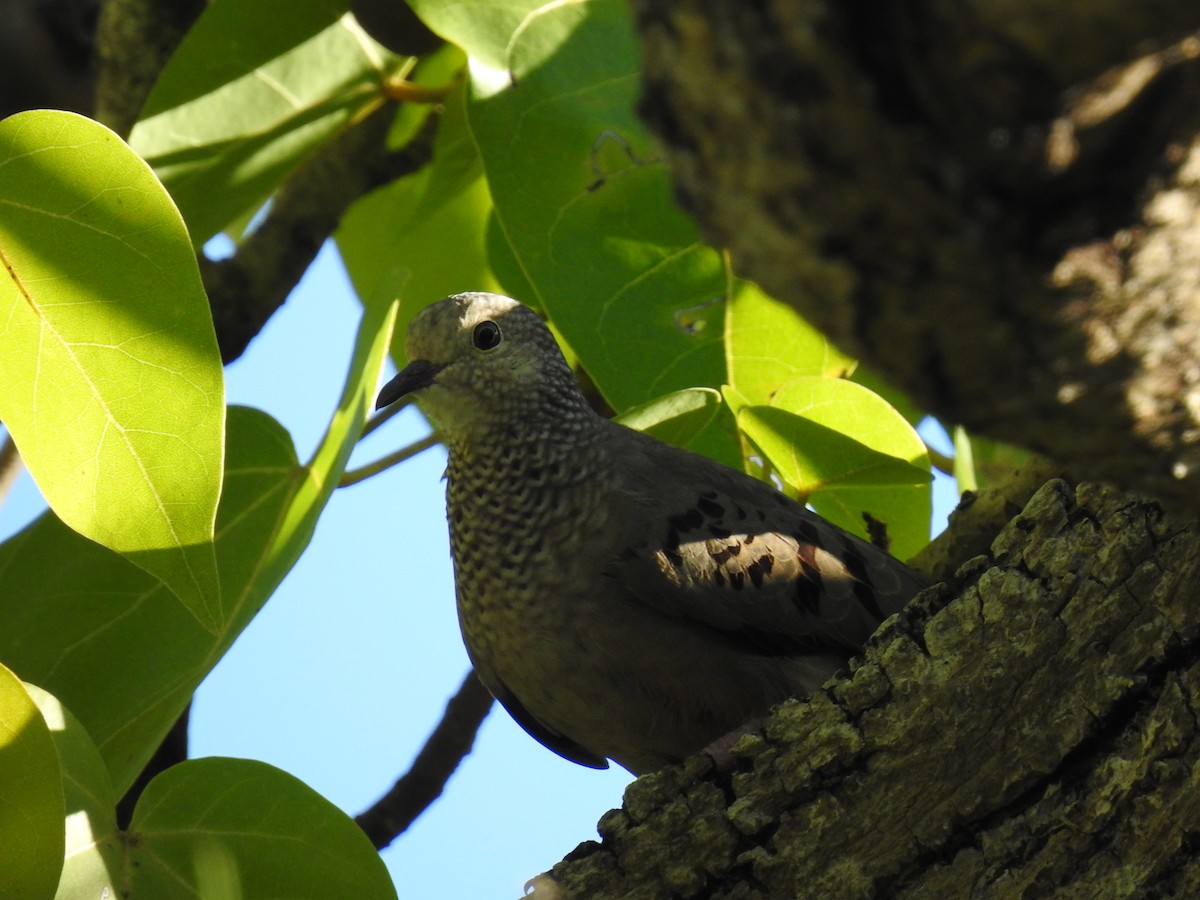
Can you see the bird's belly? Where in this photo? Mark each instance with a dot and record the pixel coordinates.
(630, 684)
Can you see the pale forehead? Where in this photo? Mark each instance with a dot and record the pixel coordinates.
(437, 327)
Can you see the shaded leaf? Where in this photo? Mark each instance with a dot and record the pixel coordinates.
(600, 242)
(980, 462)
(93, 859)
(421, 237)
(253, 89)
(675, 418)
(242, 829)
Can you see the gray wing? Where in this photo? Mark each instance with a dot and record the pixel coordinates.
(734, 554)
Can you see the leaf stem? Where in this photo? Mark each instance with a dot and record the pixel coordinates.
(406, 91)
(940, 461)
(361, 474)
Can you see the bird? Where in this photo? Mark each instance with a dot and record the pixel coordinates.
(622, 598)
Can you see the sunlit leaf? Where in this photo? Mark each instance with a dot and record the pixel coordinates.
(768, 344)
(31, 797)
(92, 612)
(675, 418)
(847, 453)
(113, 388)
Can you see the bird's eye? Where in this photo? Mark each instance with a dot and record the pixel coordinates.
(486, 335)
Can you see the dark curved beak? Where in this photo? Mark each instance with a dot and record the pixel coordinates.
(418, 374)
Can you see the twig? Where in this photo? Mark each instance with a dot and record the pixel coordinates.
(386, 462)
(10, 465)
(940, 461)
(450, 742)
(384, 415)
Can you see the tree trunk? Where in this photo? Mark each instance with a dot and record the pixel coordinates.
(998, 206)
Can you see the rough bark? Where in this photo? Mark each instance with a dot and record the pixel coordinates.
(1027, 729)
(998, 205)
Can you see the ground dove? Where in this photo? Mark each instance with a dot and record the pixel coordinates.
(622, 598)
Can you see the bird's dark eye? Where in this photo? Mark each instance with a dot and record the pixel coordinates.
(486, 335)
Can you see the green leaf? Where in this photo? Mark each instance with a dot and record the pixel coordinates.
(768, 344)
(482, 27)
(93, 859)
(583, 195)
(980, 462)
(422, 237)
(93, 612)
(895, 398)
(675, 418)
(505, 266)
(237, 828)
(964, 461)
(113, 385)
(31, 798)
(847, 453)
(228, 118)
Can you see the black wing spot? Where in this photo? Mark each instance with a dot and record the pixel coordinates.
(673, 558)
(748, 540)
(739, 512)
(710, 507)
(854, 562)
(806, 533)
(812, 573)
(758, 569)
(672, 540)
(688, 521)
(865, 594)
(808, 595)
(719, 577)
(737, 580)
(719, 556)
(717, 532)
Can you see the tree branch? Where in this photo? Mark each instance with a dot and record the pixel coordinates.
(134, 40)
(450, 742)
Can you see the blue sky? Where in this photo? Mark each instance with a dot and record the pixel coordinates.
(346, 670)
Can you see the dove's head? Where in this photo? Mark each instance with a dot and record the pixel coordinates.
(477, 360)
